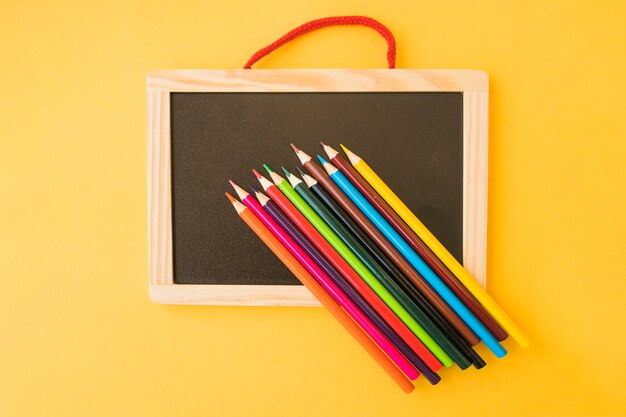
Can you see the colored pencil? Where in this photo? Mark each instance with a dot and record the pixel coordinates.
(350, 257)
(393, 271)
(418, 263)
(442, 253)
(326, 283)
(326, 300)
(388, 249)
(429, 334)
(292, 230)
(342, 266)
(418, 246)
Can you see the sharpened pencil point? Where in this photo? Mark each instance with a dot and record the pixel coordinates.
(231, 198)
(263, 199)
(267, 168)
(302, 156)
(277, 179)
(351, 156)
(254, 189)
(240, 191)
(237, 204)
(330, 168)
(330, 152)
(256, 174)
(287, 173)
(293, 180)
(265, 183)
(309, 180)
(322, 144)
(302, 174)
(294, 147)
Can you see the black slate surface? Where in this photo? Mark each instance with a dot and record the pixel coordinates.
(414, 141)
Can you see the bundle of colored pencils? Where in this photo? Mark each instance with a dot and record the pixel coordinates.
(371, 262)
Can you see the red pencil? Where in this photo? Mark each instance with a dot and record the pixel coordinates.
(346, 270)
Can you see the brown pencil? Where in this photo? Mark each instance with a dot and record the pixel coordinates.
(415, 242)
(320, 175)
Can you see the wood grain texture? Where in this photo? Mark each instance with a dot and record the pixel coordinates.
(316, 80)
(160, 83)
(159, 189)
(249, 295)
(475, 144)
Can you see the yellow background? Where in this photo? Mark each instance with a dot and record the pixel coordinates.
(78, 334)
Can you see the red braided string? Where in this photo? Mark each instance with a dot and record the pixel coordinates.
(330, 21)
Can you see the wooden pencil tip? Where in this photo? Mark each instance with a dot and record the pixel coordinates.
(293, 180)
(295, 148)
(263, 199)
(236, 204)
(308, 180)
(267, 168)
(351, 156)
(302, 156)
(330, 168)
(256, 174)
(300, 172)
(240, 191)
(265, 183)
(231, 198)
(287, 173)
(254, 189)
(330, 151)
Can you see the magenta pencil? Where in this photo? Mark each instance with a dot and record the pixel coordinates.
(324, 280)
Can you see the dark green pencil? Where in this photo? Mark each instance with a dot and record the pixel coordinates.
(359, 251)
(453, 335)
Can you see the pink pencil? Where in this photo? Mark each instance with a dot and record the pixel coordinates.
(327, 284)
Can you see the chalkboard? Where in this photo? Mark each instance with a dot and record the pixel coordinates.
(416, 140)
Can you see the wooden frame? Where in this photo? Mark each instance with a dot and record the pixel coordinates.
(473, 84)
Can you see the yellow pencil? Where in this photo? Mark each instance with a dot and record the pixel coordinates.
(438, 249)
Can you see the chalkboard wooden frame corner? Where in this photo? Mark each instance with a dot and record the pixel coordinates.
(161, 83)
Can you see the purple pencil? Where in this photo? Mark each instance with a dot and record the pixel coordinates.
(292, 230)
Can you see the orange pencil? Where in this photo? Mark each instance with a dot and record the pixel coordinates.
(309, 282)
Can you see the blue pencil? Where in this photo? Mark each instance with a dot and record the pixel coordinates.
(414, 259)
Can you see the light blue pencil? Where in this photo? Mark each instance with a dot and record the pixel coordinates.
(414, 259)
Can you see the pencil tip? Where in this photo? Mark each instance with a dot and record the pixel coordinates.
(267, 168)
(308, 180)
(231, 198)
(302, 173)
(321, 159)
(330, 152)
(254, 189)
(322, 144)
(287, 173)
(256, 174)
(302, 156)
(240, 191)
(295, 148)
(354, 159)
